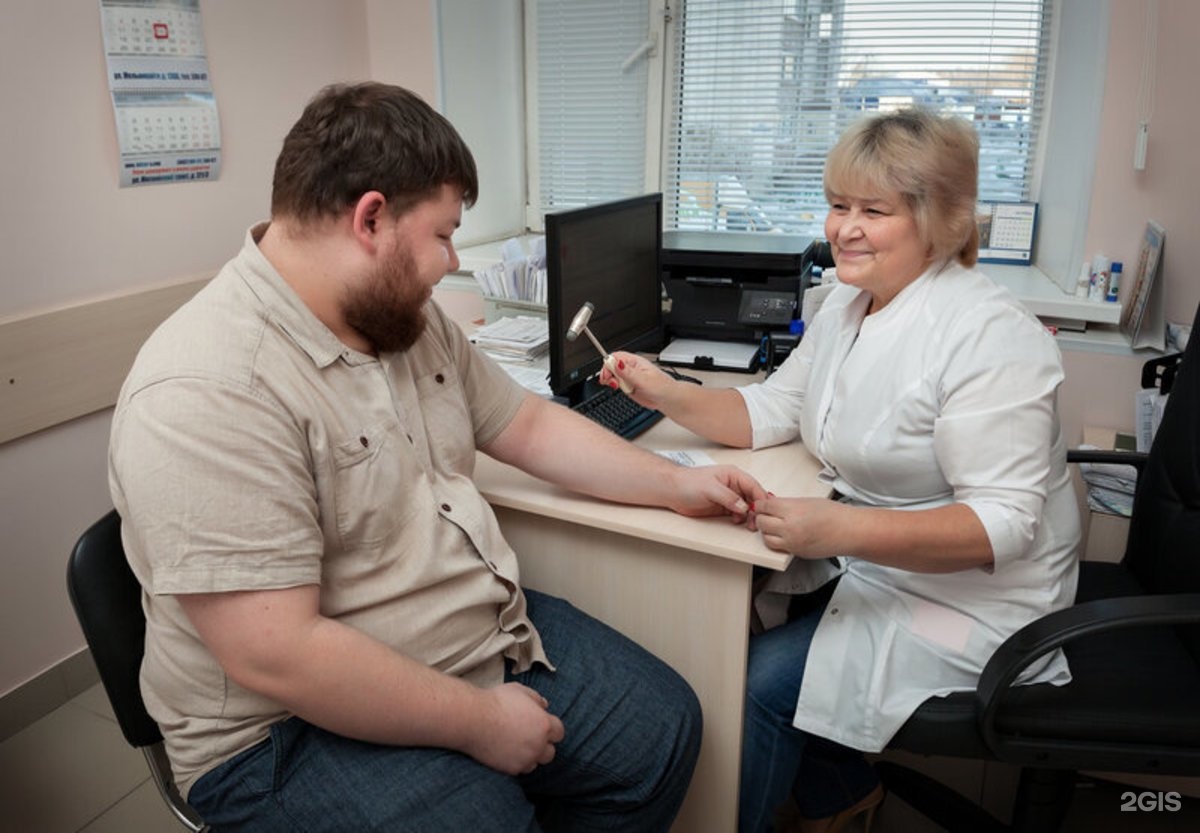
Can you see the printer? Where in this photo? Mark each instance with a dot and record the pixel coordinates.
(728, 292)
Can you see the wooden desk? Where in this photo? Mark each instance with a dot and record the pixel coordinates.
(678, 586)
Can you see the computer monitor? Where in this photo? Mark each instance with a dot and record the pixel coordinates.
(611, 255)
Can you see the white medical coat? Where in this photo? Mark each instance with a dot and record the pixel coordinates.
(947, 394)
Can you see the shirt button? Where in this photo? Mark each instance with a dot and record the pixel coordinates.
(833, 611)
(364, 441)
(439, 378)
(445, 507)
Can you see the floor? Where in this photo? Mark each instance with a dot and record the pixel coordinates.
(72, 772)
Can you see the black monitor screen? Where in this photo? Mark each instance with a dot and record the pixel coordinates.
(610, 255)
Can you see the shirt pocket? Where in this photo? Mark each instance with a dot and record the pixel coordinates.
(374, 473)
(448, 423)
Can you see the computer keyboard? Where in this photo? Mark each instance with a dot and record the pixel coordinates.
(617, 412)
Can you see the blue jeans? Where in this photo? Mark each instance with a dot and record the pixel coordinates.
(824, 776)
(633, 731)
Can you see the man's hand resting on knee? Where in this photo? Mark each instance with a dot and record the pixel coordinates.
(518, 732)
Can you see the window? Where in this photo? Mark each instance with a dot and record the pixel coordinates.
(592, 82)
(755, 92)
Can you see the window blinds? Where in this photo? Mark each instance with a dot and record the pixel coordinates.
(761, 89)
(591, 101)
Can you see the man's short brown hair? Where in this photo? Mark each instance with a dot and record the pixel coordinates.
(355, 138)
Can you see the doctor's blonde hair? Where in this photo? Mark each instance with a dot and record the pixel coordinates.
(930, 160)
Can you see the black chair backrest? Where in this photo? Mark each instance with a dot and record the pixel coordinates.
(1163, 549)
(108, 603)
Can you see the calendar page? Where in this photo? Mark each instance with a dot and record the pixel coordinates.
(1006, 231)
(163, 105)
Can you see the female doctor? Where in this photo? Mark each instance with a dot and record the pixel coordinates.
(929, 396)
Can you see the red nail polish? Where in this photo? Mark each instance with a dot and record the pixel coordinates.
(620, 365)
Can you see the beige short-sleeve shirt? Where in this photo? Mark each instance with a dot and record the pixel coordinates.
(251, 449)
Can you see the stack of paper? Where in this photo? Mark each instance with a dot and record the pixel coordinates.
(1110, 486)
(1149, 404)
(519, 338)
(720, 355)
(519, 277)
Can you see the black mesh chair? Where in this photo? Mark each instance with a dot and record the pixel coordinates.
(107, 600)
(1133, 643)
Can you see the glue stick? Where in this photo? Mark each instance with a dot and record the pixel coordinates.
(1114, 281)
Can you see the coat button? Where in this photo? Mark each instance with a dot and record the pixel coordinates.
(833, 611)
(439, 378)
(364, 441)
(445, 507)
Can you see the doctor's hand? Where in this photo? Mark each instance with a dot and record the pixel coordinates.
(714, 490)
(648, 385)
(804, 527)
(519, 733)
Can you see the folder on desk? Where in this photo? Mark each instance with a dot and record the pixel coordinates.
(714, 355)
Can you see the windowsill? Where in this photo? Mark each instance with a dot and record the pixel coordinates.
(1032, 286)
(1046, 299)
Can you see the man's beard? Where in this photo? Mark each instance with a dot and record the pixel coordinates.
(388, 309)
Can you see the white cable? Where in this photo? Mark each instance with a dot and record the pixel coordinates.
(1144, 106)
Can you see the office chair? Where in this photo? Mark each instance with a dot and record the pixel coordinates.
(1132, 642)
(108, 603)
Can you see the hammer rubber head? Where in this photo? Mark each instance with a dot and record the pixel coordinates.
(580, 321)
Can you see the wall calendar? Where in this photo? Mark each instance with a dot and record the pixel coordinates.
(163, 104)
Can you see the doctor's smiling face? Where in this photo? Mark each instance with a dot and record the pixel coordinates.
(876, 244)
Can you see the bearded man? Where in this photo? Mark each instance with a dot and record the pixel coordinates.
(337, 638)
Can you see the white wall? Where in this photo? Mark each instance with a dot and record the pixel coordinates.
(68, 234)
(1168, 190)
(1099, 389)
(402, 44)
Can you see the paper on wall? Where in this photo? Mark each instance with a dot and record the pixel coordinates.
(163, 103)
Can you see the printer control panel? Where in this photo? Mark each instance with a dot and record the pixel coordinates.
(762, 308)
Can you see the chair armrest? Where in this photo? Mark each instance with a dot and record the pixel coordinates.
(1056, 629)
(1137, 459)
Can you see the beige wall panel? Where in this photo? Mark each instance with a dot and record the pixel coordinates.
(59, 365)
